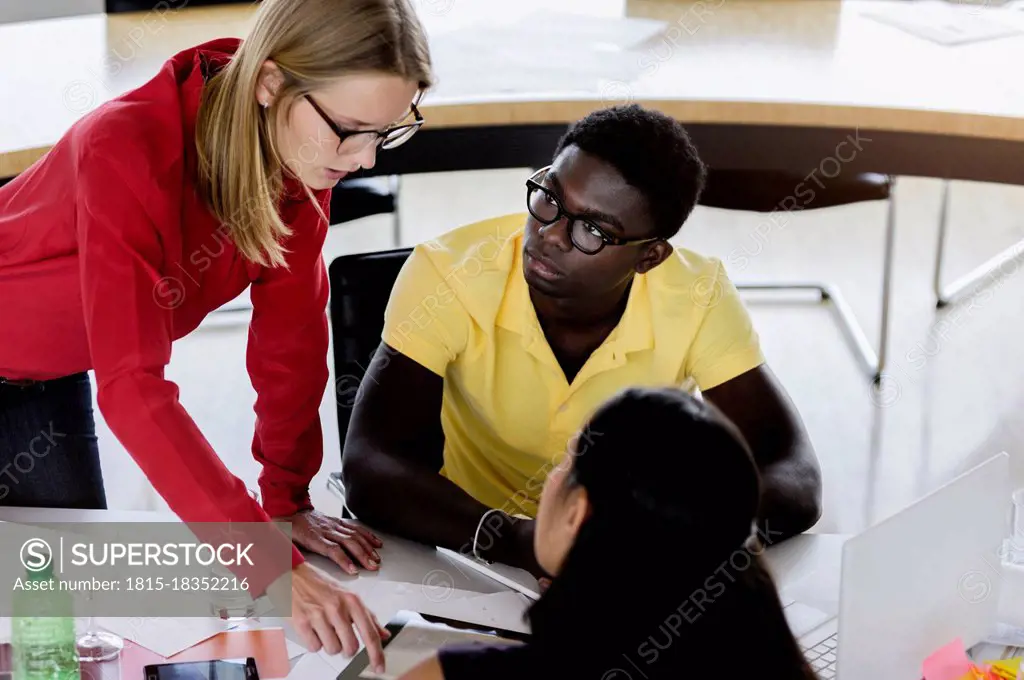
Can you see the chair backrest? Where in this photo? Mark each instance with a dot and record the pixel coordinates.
(768, 190)
(360, 287)
(353, 199)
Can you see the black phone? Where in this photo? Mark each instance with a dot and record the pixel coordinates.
(225, 669)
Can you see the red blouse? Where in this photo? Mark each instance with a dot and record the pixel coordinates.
(108, 255)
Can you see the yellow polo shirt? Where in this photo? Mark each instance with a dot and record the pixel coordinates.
(461, 308)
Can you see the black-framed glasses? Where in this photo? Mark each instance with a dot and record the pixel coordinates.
(354, 141)
(546, 207)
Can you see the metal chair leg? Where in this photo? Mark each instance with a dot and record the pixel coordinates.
(940, 249)
(873, 361)
(987, 272)
(887, 269)
(394, 184)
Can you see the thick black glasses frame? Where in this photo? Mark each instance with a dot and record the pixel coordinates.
(382, 135)
(606, 239)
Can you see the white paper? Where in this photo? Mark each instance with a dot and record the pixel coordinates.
(165, 636)
(312, 667)
(404, 570)
(5, 630)
(503, 610)
(294, 649)
(500, 610)
(338, 662)
(943, 23)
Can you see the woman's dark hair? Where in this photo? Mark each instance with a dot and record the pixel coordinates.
(662, 577)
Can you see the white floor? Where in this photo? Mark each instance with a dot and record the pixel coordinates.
(954, 396)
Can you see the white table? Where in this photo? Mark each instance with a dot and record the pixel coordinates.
(418, 578)
(756, 67)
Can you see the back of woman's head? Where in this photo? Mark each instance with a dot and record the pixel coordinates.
(668, 461)
(311, 43)
(672, 494)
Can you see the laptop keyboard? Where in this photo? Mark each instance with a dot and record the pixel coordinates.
(822, 657)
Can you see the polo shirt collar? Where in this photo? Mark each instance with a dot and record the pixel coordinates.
(635, 331)
(516, 312)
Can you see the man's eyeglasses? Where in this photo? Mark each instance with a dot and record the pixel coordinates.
(586, 236)
(354, 141)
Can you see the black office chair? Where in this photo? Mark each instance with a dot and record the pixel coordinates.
(360, 287)
(354, 199)
(764, 192)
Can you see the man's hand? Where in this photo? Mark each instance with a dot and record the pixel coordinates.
(324, 615)
(337, 539)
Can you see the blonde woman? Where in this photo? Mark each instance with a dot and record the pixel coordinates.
(157, 208)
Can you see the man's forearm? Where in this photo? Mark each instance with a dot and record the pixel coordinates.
(396, 496)
(790, 497)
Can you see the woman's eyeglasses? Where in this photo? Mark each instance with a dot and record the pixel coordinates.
(586, 236)
(354, 141)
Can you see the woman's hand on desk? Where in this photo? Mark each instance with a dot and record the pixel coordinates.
(324, 614)
(339, 540)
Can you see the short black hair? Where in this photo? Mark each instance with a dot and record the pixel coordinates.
(652, 151)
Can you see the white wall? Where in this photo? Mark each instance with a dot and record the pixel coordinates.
(29, 10)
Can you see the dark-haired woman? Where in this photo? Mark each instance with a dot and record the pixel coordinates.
(697, 584)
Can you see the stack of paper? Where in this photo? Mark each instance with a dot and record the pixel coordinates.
(943, 23)
(165, 636)
(313, 667)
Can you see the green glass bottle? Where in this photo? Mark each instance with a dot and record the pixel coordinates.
(43, 630)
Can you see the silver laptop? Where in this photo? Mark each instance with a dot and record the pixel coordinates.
(917, 581)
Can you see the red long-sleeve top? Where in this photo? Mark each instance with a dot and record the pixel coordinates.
(108, 255)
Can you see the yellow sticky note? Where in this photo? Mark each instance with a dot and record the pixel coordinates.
(1006, 669)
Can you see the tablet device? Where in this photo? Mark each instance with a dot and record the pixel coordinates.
(415, 637)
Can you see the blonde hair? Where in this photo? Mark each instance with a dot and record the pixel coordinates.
(312, 42)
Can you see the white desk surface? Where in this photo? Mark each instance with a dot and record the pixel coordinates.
(818, 63)
(418, 578)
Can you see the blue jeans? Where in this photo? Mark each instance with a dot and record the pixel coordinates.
(48, 452)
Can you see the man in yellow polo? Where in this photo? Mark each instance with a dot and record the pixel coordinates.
(503, 336)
